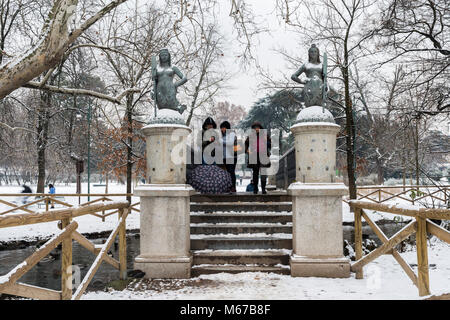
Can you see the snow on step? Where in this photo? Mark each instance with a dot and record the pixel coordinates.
(256, 257)
(242, 252)
(241, 214)
(243, 236)
(238, 224)
(210, 269)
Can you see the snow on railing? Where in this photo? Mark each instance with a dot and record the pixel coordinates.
(421, 225)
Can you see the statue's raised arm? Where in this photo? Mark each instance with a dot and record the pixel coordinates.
(165, 89)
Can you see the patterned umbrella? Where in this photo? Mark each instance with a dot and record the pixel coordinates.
(210, 179)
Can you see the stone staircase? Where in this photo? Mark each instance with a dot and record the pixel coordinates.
(241, 233)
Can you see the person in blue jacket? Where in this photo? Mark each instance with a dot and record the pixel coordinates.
(250, 187)
(51, 191)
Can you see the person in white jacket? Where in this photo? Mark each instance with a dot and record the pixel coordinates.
(229, 143)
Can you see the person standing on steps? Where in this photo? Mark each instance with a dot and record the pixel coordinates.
(208, 124)
(209, 177)
(229, 143)
(257, 149)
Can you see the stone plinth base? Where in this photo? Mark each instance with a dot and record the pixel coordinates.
(165, 231)
(319, 267)
(317, 219)
(164, 267)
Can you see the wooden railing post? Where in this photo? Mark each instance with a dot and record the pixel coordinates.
(103, 212)
(123, 246)
(358, 241)
(422, 257)
(46, 203)
(66, 265)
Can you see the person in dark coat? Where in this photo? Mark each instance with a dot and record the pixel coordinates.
(229, 144)
(209, 178)
(261, 146)
(26, 189)
(209, 123)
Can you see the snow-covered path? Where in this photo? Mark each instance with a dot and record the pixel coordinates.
(384, 279)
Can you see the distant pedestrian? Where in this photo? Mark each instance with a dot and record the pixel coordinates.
(26, 189)
(52, 191)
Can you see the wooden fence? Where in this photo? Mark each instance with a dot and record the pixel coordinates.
(421, 225)
(8, 282)
(50, 200)
(412, 194)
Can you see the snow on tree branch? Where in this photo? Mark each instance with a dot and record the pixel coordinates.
(54, 41)
(71, 91)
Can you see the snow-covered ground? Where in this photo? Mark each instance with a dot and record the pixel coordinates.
(384, 279)
(86, 224)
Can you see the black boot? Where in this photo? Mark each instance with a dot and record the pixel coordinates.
(263, 184)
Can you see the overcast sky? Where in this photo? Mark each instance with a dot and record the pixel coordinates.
(244, 91)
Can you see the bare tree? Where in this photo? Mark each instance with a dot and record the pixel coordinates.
(55, 39)
(417, 33)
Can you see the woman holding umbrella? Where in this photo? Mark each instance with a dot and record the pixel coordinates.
(209, 178)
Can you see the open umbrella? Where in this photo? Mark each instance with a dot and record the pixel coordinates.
(210, 179)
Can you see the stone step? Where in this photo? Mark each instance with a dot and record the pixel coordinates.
(236, 228)
(275, 196)
(241, 257)
(240, 206)
(211, 269)
(270, 217)
(202, 242)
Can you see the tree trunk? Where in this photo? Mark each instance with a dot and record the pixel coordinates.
(416, 152)
(42, 131)
(380, 172)
(129, 144)
(350, 129)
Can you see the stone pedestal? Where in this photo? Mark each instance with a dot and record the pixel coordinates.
(317, 199)
(165, 231)
(317, 231)
(165, 205)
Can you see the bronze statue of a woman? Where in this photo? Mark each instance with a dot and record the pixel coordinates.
(165, 90)
(315, 83)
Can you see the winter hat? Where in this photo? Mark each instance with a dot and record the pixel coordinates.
(225, 124)
(208, 121)
(257, 124)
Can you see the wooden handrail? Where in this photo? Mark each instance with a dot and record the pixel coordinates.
(38, 255)
(65, 236)
(101, 256)
(65, 194)
(401, 186)
(54, 215)
(420, 226)
(406, 210)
